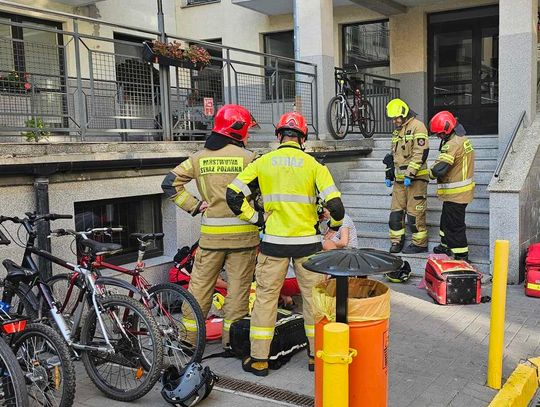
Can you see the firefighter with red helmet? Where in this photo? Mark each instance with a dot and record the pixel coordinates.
(226, 241)
(454, 171)
(290, 181)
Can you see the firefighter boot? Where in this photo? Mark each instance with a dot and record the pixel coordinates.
(258, 367)
(397, 246)
(413, 249)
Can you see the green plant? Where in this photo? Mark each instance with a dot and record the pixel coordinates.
(38, 131)
(197, 55)
(15, 81)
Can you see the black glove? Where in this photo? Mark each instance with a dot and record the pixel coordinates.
(390, 168)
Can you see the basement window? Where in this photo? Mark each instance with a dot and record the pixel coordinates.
(200, 2)
(136, 214)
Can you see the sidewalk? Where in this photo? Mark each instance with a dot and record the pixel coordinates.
(438, 355)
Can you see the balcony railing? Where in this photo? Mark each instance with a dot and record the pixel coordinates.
(72, 85)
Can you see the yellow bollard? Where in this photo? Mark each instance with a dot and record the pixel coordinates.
(498, 306)
(336, 356)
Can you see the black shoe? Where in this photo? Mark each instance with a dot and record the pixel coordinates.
(311, 363)
(412, 249)
(255, 366)
(440, 249)
(462, 257)
(396, 247)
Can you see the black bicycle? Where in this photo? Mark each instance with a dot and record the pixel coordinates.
(118, 340)
(349, 107)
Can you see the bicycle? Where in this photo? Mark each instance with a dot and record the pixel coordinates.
(117, 337)
(341, 115)
(12, 381)
(166, 301)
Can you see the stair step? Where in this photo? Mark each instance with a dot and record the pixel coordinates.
(480, 163)
(369, 188)
(377, 174)
(478, 235)
(473, 219)
(382, 242)
(366, 202)
(480, 152)
(477, 141)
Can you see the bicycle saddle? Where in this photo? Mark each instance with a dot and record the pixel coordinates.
(147, 236)
(99, 248)
(16, 273)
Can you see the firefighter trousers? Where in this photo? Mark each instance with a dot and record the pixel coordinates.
(453, 229)
(270, 274)
(413, 202)
(240, 267)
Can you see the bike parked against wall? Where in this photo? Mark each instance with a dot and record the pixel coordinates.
(118, 340)
(349, 107)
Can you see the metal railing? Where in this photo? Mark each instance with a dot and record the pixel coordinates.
(77, 86)
(378, 90)
(508, 147)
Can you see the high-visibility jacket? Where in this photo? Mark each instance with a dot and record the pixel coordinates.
(213, 170)
(410, 149)
(454, 170)
(290, 181)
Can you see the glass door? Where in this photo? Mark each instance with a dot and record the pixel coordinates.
(463, 71)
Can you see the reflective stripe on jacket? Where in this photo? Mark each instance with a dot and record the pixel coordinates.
(213, 170)
(290, 181)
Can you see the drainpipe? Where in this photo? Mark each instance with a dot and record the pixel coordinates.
(297, 67)
(41, 187)
(164, 81)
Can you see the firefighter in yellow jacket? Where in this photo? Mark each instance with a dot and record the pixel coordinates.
(290, 181)
(226, 241)
(406, 169)
(454, 171)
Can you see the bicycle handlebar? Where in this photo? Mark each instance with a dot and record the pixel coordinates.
(84, 233)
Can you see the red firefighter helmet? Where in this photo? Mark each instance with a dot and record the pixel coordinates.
(443, 123)
(293, 121)
(233, 121)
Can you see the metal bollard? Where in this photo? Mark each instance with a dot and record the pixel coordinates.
(336, 356)
(498, 307)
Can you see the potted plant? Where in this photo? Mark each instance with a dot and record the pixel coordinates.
(15, 82)
(176, 54)
(38, 131)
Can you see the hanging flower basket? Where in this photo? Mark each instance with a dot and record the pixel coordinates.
(173, 54)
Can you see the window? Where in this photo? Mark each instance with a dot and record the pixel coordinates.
(137, 214)
(366, 45)
(32, 66)
(280, 44)
(209, 82)
(135, 77)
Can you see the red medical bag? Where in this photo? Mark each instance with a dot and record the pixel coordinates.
(453, 282)
(532, 271)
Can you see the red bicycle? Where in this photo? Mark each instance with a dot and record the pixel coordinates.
(176, 311)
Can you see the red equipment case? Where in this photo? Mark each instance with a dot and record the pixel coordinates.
(453, 282)
(532, 271)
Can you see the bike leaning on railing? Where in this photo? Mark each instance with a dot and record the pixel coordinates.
(175, 310)
(343, 114)
(118, 339)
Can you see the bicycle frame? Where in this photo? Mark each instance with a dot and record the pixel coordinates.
(47, 295)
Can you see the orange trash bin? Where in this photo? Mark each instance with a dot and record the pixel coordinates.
(368, 317)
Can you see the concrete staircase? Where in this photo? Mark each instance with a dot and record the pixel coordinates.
(367, 201)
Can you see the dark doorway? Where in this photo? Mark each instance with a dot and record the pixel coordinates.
(463, 57)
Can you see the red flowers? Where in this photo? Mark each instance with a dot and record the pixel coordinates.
(197, 55)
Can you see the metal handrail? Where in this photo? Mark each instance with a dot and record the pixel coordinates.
(509, 145)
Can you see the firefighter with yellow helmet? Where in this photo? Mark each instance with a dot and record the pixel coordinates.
(406, 171)
(226, 241)
(290, 181)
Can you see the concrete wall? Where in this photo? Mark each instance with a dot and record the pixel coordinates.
(514, 201)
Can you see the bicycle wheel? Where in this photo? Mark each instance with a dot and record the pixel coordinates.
(171, 305)
(135, 366)
(367, 119)
(12, 385)
(45, 359)
(22, 300)
(337, 117)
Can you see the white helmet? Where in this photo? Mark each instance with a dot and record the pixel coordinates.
(187, 387)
